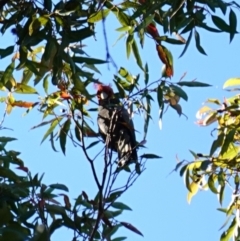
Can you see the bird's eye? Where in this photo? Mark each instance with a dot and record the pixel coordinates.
(104, 95)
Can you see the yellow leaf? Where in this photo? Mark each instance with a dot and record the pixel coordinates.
(194, 189)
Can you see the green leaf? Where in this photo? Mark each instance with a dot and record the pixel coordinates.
(211, 180)
(131, 227)
(150, 156)
(171, 40)
(230, 232)
(198, 44)
(193, 84)
(31, 66)
(92, 144)
(5, 52)
(78, 35)
(34, 26)
(119, 239)
(187, 44)
(92, 67)
(214, 101)
(160, 96)
(45, 83)
(63, 135)
(27, 74)
(136, 54)
(221, 194)
(7, 139)
(220, 23)
(48, 5)
(204, 25)
(120, 89)
(187, 176)
(7, 73)
(231, 82)
(54, 123)
(129, 42)
(124, 29)
(88, 60)
(231, 152)
(145, 23)
(122, 18)
(233, 24)
(43, 20)
(55, 209)
(24, 89)
(121, 206)
(7, 173)
(95, 17)
(146, 74)
(112, 214)
(59, 186)
(147, 116)
(56, 224)
(179, 92)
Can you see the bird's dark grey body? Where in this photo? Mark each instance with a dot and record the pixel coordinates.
(122, 134)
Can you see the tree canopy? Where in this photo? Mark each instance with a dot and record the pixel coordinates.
(56, 77)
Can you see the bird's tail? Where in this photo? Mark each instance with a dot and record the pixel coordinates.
(127, 153)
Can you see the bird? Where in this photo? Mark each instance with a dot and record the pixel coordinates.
(114, 121)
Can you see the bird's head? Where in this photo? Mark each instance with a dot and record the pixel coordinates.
(104, 92)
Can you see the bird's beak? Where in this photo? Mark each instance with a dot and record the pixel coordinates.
(103, 95)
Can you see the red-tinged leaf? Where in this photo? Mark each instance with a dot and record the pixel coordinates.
(66, 200)
(89, 132)
(25, 169)
(169, 71)
(131, 227)
(162, 55)
(23, 104)
(152, 30)
(106, 221)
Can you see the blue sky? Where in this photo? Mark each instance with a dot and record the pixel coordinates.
(160, 210)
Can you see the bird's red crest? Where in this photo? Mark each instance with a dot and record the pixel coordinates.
(104, 88)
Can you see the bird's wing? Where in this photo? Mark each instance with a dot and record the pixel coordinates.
(103, 119)
(128, 122)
